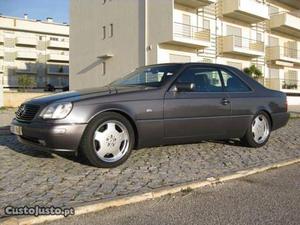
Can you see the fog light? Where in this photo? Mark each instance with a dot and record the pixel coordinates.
(59, 130)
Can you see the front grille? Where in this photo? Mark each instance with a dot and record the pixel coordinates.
(27, 112)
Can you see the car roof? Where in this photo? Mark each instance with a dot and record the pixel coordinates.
(195, 64)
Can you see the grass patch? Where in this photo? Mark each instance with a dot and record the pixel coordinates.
(4, 108)
(294, 116)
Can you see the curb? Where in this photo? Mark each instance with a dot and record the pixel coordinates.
(98, 206)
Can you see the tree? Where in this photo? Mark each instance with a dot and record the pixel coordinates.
(253, 71)
(26, 82)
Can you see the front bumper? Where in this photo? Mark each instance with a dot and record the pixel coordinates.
(51, 137)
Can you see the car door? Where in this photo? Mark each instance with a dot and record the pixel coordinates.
(243, 102)
(200, 113)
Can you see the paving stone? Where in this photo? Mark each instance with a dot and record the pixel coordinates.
(30, 177)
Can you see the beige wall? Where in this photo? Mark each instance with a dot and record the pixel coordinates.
(86, 44)
(143, 34)
(14, 99)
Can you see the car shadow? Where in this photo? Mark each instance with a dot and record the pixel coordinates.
(10, 142)
(231, 142)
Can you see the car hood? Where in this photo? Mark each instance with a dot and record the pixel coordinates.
(86, 94)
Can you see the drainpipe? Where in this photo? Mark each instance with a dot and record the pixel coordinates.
(146, 33)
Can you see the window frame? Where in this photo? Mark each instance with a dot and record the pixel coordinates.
(202, 92)
(233, 74)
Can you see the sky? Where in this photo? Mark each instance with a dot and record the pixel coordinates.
(36, 9)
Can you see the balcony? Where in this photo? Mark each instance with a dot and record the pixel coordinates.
(285, 23)
(190, 36)
(249, 11)
(195, 3)
(26, 41)
(278, 53)
(286, 85)
(26, 55)
(240, 46)
(58, 44)
(292, 3)
(57, 57)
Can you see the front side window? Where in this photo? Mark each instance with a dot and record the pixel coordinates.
(153, 76)
(234, 84)
(204, 79)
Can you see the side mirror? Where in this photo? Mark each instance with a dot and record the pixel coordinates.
(184, 87)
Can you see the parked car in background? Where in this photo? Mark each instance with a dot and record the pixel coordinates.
(152, 106)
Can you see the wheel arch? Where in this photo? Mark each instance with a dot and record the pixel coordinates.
(269, 115)
(127, 115)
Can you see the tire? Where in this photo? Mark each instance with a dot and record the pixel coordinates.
(108, 140)
(259, 136)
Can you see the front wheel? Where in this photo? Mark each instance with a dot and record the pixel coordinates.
(108, 140)
(258, 132)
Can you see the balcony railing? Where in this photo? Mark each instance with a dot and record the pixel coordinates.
(289, 85)
(191, 35)
(58, 57)
(28, 41)
(240, 45)
(283, 53)
(58, 44)
(26, 55)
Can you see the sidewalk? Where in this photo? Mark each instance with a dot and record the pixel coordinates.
(294, 108)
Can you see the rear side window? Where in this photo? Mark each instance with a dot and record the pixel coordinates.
(234, 84)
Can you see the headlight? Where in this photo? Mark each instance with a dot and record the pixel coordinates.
(56, 111)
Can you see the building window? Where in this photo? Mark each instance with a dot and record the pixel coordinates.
(40, 38)
(206, 24)
(103, 68)
(259, 37)
(53, 38)
(111, 30)
(104, 32)
(273, 10)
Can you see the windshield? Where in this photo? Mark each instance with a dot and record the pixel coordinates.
(153, 76)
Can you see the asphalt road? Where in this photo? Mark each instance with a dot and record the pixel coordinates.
(272, 197)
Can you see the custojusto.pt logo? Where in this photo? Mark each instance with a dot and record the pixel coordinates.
(38, 211)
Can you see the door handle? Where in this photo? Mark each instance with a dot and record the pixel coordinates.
(225, 101)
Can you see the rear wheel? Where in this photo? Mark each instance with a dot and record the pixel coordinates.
(108, 140)
(258, 132)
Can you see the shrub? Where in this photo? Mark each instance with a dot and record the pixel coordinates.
(26, 82)
(253, 71)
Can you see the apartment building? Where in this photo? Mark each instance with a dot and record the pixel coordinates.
(33, 48)
(120, 35)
